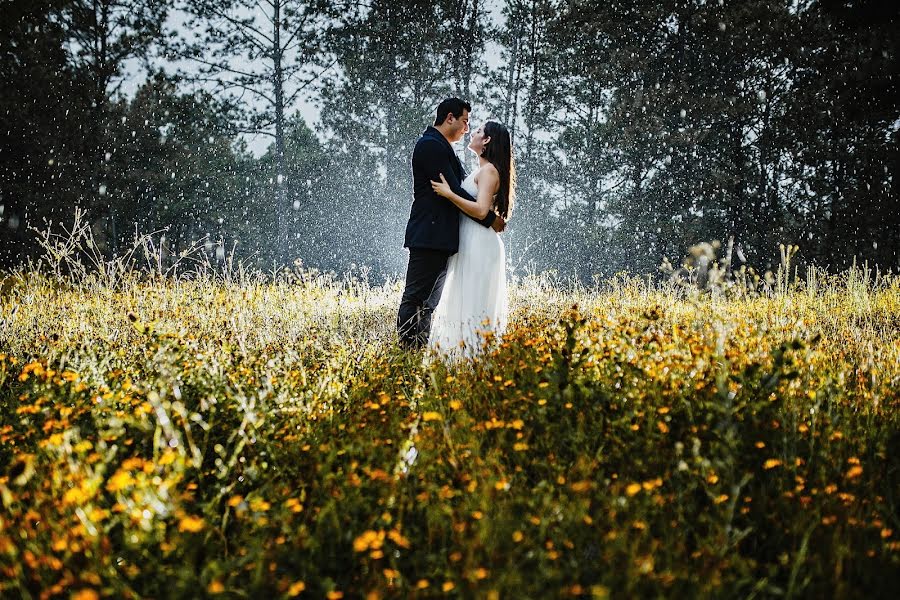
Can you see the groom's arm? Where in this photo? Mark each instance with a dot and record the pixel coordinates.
(439, 161)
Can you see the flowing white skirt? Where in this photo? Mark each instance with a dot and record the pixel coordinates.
(474, 299)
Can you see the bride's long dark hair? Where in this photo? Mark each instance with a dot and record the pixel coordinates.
(499, 152)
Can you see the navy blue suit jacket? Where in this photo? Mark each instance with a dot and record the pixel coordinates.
(434, 220)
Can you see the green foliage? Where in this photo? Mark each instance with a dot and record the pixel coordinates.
(42, 103)
(639, 128)
(174, 166)
(650, 125)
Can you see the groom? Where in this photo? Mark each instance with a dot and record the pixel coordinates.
(432, 233)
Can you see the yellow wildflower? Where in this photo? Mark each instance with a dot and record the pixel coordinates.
(191, 524)
(296, 588)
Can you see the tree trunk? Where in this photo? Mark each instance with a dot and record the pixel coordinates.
(390, 93)
(891, 211)
(836, 193)
(467, 61)
(763, 221)
(512, 86)
(736, 218)
(102, 77)
(535, 78)
(278, 82)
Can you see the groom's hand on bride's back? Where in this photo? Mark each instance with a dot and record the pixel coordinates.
(499, 224)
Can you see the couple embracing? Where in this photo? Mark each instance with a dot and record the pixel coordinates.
(456, 278)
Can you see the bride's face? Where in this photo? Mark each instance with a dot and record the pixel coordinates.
(477, 140)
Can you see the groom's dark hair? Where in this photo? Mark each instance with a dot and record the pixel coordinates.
(451, 106)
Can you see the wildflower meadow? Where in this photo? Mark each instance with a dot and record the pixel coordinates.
(211, 432)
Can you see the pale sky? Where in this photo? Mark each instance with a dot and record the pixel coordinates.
(258, 143)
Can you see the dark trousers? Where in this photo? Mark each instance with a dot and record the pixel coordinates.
(424, 284)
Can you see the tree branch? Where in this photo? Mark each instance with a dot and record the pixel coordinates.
(222, 67)
(226, 85)
(296, 31)
(256, 131)
(308, 82)
(243, 26)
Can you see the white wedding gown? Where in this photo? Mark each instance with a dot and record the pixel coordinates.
(474, 297)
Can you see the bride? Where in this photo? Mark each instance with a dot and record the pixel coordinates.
(474, 300)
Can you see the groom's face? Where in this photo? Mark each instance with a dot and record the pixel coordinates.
(460, 126)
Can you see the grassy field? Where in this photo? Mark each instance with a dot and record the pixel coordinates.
(243, 436)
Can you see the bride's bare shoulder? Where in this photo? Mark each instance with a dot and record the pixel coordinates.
(488, 177)
(490, 170)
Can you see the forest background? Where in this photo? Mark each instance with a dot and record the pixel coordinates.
(280, 130)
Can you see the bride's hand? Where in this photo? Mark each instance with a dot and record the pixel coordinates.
(442, 188)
